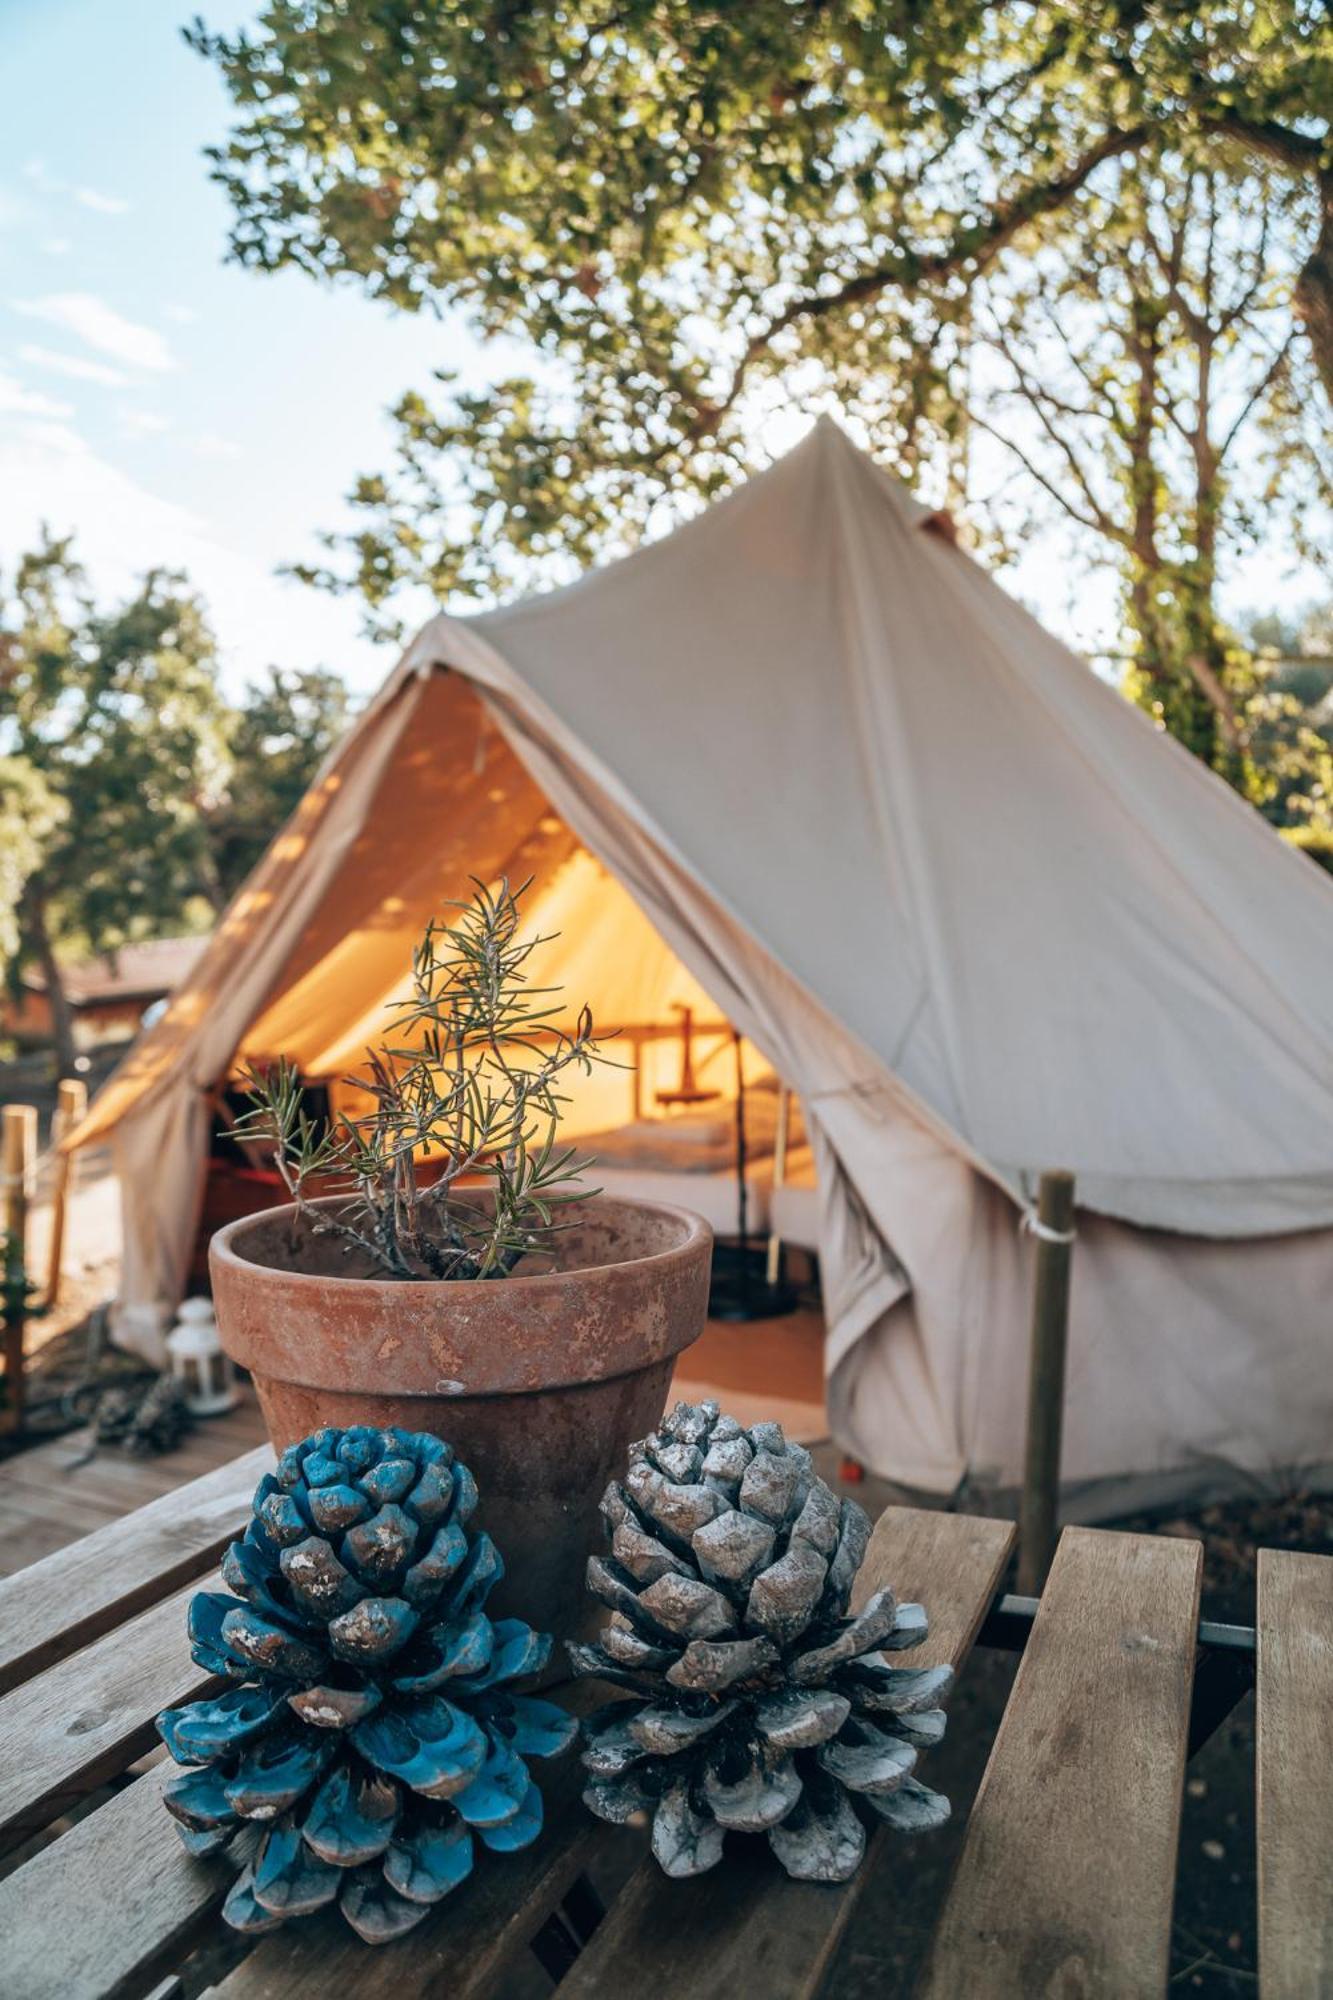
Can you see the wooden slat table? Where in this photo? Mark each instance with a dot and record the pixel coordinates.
(1063, 1886)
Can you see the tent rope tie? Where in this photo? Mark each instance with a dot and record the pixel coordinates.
(1031, 1224)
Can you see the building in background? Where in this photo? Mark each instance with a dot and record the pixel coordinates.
(108, 996)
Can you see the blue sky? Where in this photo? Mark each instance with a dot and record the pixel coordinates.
(170, 408)
(166, 406)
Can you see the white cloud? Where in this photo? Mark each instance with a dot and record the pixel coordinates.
(56, 246)
(102, 204)
(183, 315)
(37, 171)
(74, 366)
(15, 400)
(141, 423)
(48, 472)
(92, 320)
(208, 445)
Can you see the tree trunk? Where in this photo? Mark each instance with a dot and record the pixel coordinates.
(62, 1014)
(1220, 729)
(1153, 652)
(1314, 288)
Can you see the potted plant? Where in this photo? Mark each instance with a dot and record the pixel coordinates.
(461, 1278)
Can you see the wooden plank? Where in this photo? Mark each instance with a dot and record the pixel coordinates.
(50, 1476)
(108, 1475)
(141, 1902)
(86, 1718)
(1295, 1756)
(70, 1461)
(461, 1949)
(38, 1543)
(75, 1514)
(746, 1927)
(53, 1607)
(1065, 1879)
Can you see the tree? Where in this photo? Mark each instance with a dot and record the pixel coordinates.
(30, 812)
(1143, 370)
(112, 722)
(1295, 655)
(687, 211)
(277, 739)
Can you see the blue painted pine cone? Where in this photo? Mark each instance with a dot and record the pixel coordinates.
(763, 1707)
(372, 1735)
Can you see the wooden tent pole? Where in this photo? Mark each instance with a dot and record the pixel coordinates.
(18, 1150)
(71, 1103)
(1054, 1231)
(774, 1270)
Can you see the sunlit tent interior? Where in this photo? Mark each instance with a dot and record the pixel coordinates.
(803, 767)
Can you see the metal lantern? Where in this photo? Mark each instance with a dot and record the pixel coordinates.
(198, 1362)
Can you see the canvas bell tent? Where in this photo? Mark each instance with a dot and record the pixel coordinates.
(804, 765)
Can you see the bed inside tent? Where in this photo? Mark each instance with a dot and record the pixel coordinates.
(658, 1119)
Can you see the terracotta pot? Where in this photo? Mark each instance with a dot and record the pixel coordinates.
(539, 1382)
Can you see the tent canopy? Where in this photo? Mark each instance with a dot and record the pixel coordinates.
(803, 763)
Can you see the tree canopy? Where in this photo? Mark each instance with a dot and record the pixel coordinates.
(117, 715)
(279, 735)
(684, 210)
(133, 796)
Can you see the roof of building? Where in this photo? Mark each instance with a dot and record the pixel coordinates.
(134, 972)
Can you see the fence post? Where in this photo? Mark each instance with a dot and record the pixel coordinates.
(71, 1103)
(18, 1150)
(1054, 1231)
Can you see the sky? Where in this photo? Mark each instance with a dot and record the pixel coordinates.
(166, 406)
(170, 408)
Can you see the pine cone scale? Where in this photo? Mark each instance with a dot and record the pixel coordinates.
(707, 1666)
(333, 1707)
(802, 1718)
(757, 1800)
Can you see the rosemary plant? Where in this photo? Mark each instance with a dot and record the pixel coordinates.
(469, 1083)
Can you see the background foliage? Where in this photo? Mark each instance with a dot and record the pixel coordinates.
(133, 796)
(1101, 236)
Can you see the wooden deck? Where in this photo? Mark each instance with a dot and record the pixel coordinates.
(55, 1492)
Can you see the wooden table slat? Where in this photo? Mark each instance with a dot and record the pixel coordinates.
(56, 1606)
(138, 1901)
(85, 1719)
(1295, 1758)
(1065, 1879)
(745, 1927)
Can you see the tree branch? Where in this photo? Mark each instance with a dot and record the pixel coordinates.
(1061, 499)
(1276, 142)
(1264, 383)
(977, 246)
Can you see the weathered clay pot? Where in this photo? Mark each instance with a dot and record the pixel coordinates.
(539, 1382)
